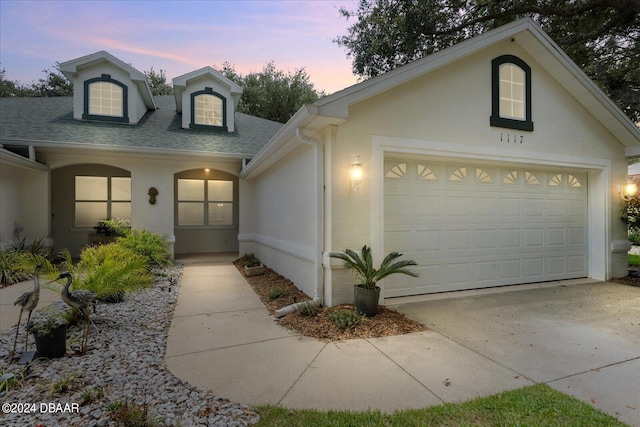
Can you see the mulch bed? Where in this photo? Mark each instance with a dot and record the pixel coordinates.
(387, 322)
(629, 281)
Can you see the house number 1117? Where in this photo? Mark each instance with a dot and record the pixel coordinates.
(511, 138)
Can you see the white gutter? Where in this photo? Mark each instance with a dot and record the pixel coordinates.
(318, 155)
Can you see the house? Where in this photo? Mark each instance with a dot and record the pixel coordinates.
(494, 162)
(66, 163)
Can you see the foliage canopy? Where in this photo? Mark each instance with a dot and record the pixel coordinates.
(600, 36)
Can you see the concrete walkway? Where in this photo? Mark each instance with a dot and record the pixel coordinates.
(9, 313)
(582, 339)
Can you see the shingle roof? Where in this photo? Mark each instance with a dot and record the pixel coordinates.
(50, 121)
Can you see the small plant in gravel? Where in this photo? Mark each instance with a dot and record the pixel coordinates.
(345, 319)
(9, 380)
(309, 308)
(129, 415)
(277, 292)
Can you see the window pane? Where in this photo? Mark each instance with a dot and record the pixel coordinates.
(121, 210)
(190, 213)
(105, 99)
(120, 188)
(191, 189)
(208, 110)
(220, 213)
(91, 188)
(220, 191)
(89, 213)
(512, 95)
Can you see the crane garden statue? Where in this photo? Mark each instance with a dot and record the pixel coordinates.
(80, 299)
(28, 301)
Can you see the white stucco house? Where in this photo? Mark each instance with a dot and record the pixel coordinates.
(493, 162)
(66, 163)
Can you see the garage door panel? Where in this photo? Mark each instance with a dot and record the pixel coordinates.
(476, 226)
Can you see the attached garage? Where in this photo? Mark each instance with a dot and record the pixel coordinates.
(491, 163)
(474, 225)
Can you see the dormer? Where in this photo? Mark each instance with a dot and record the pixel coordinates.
(107, 89)
(207, 100)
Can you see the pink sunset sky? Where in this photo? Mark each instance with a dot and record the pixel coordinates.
(179, 36)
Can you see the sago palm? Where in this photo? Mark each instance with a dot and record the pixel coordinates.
(362, 265)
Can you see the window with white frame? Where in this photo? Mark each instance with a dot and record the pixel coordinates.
(204, 202)
(105, 99)
(208, 110)
(101, 197)
(511, 93)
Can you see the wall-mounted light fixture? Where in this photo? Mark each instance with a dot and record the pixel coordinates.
(355, 172)
(628, 190)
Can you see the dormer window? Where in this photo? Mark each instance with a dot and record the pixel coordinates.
(511, 93)
(208, 110)
(105, 99)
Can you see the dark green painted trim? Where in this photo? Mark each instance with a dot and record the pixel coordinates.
(125, 101)
(495, 119)
(208, 91)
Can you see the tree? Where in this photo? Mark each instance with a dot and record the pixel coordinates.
(273, 94)
(53, 84)
(10, 88)
(600, 36)
(158, 82)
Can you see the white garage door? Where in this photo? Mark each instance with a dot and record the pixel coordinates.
(473, 226)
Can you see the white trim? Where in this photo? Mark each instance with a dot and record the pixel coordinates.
(599, 179)
(9, 158)
(306, 253)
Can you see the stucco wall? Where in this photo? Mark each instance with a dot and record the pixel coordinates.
(277, 218)
(28, 209)
(158, 172)
(448, 111)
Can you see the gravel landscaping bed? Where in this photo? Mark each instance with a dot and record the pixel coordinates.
(123, 367)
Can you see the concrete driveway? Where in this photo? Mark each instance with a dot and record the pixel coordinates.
(581, 339)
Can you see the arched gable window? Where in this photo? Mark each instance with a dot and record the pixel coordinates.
(511, 93)
(208, 110)
(105, 99)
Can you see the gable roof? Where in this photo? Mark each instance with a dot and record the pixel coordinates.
(334, 109)
(180, 83)
(71, 70)
(48, 123)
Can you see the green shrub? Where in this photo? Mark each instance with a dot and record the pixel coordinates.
(277, 292)
(151, 245)
(634, 237)
(309, 308)
(250, 260)
(109, 270)
(19, 265)
(345, 319)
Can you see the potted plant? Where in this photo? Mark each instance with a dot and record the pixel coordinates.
(49, 330)
(366, 293)
(252, 265)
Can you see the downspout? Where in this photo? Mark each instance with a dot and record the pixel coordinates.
(318, 155)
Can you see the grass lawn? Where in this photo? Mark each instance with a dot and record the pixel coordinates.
(537, 405)
(634, 259)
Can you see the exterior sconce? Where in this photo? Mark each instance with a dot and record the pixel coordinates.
(628, 191)
(355, 172)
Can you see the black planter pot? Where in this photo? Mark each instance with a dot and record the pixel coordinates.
(366, 300)
(53, 345)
